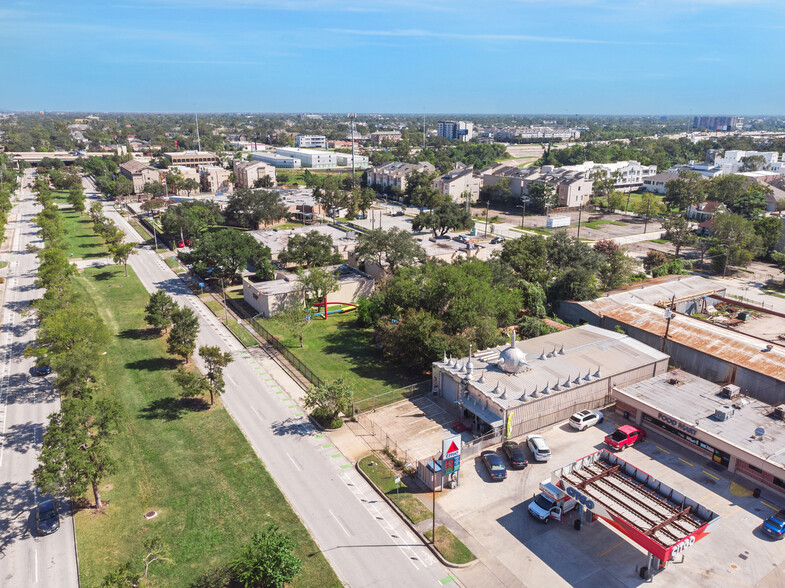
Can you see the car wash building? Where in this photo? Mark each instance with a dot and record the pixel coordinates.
(717, 422)
(656, 517)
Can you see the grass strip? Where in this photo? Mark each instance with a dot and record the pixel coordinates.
(450, 546)
(80, 239)
(193, 467)
(242, 333)
(384, 478)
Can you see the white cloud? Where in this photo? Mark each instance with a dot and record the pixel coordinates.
(424, 34)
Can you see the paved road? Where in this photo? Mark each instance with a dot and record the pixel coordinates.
(26, 401)
(362, 538)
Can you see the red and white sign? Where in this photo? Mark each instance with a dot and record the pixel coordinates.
(451, 447)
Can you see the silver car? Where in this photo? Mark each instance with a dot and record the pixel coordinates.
(538, 447)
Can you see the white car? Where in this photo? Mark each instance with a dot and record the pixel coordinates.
(538, 447)
(583, 419)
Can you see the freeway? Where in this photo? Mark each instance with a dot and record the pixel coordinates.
(362, 538)
(26, 560)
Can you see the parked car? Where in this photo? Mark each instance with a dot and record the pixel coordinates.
(625, 436)
(494, 464)
(43, 369)
(515, 454)
(774, 526)
(498, 239)
(188, 242)
(47, 517)
(583, 419)
(538, 447)
(180, 243)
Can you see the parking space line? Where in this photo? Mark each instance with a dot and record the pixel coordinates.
(663, 450)
(711, 475)
(447, 580)
(685, 461)
(604, 553)
(774, 508)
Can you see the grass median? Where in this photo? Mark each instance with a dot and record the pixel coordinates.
(384, 478)
(193, 467)
(450, 546)
(80, 239)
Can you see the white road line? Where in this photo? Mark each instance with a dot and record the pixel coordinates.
(339, 522)
(297, 465)
(36, 565)
(261, 418)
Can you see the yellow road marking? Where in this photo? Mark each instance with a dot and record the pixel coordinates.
(661, 449)
(739, 490)
(764, 503)
(685, 461)
(711, 475)
(604, 553)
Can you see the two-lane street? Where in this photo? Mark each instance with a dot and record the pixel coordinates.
(26, 401)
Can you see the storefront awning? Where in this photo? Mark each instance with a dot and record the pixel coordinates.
(487, 416)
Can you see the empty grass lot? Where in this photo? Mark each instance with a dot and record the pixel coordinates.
(340, 346)
(193, 467)
(384, 479)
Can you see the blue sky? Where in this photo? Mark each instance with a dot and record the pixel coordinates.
(434, 56)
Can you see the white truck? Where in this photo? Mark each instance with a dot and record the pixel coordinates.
(551, 503)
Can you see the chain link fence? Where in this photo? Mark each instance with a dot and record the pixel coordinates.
(385, 398)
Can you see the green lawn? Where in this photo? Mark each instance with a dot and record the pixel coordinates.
(239, 330)
(339, 346)
(193, 467)
(450, 546)
(597, 224)
(384, 479)
(81, 241)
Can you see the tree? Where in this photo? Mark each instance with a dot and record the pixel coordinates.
(121, 252)
(74, 453)
(615, 200)
(182, 337)
(123, 186)
(329, 399)
(227, 251)
(192, 383)
(654, 259)
(76, 198)
(528, 257)
(779, 259)
(499, 192)
(123, 577)
(726, 188)
(445, 217)
(395, 247)
(420, 190)
(294, 317)
(752, 163)
(576, 283)
(648, 206)
(770, 231)
(752, 202)
(309, 250)
(330, 195)
(734, 236)
(618, 267)
(251, 208)
(317, 283)
(215, 361)
(153, 204)
(266, 561)
(190, 185)
(603, 183)
(678, 231)
(190, 218)
(688, 189)
(265, 182)
(159, 309)
(542, 196)
(155, 189)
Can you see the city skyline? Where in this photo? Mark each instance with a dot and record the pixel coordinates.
(562, 58)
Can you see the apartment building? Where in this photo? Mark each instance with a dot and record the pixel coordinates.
(140, 174)
(574, 188)
(277, 160)
(456, 130)
(656, 183)
(718, 123)
(311, 141)
(381, 137)
(733, 160)
(459, 182)
(630, 173)
(248, 172)
(192, 158)
(395, 173)
(215, 179)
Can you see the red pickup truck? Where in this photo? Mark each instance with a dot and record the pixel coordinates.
(625, 436)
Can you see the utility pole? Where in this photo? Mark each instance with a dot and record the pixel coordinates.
(198, 140)
(580, 212)
(487, 204)
(646, 220)
(669, 316)
(352, 117)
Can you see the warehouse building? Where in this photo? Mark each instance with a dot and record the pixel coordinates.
(277, 160)
(730, 430)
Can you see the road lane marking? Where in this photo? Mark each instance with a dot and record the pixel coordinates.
(711, 475)
(36, 565)
(231, 380)
(606, 552)
(774, 508)
(663, 450)
(339, 523)
(299, 469)
(685, 461)
(261, 418)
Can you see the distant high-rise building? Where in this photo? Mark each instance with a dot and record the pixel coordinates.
(718, 123)
(456, 130)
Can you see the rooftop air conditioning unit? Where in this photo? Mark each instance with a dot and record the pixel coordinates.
(779, 412)
(730, 391)
(723, 413)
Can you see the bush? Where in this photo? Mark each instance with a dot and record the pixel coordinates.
(326, 419)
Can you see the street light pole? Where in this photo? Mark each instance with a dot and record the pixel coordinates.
(487, 204)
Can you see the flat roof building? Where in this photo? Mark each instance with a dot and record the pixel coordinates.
(455, 130)
(140, 174)
(311, 141)
(192, 158)
(315, 158)
(277, 160)
(278, 239)
(733, 431)
(249, 172)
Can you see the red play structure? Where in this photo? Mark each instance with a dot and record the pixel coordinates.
(324, 303)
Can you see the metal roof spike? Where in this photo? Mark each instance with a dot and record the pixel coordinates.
(567, 383)
(445, 358)
(561, 351)
(587, 377)
(556, 387)
(497, 389)
(577, 379)
(542, 355)
(504, 394)
(547, 389)
(482, 378)
(598, 374)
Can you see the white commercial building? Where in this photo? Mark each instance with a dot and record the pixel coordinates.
(732, 161)
(311, 141)
(277, 160)
(315, 158)
(456, 130)
(630, 173)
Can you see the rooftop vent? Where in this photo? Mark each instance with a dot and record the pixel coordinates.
(730, 391)
(779, 412)
(723, 413)
(674, 381)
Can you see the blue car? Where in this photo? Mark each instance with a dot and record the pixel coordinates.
(494, 464)
(774, 526)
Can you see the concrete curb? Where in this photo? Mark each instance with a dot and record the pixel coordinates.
(406, 520)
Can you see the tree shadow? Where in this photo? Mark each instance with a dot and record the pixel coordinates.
(172, 409)
(143, 334)
(103, 276)
(154, 364)
(290, 426)
(16, 499)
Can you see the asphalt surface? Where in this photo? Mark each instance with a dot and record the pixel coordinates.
(363, 539)
(26, 401)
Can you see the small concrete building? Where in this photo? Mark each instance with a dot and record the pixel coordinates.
(268, 298)
(717, 422)
(277, 239)
(538, 382)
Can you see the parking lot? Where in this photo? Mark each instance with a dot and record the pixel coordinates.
(513, 547)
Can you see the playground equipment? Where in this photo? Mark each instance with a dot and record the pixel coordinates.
(326, 312)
